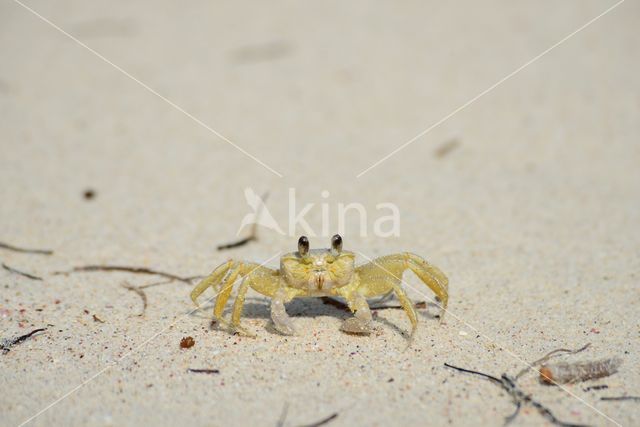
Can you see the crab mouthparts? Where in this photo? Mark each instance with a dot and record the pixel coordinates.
(319, 281)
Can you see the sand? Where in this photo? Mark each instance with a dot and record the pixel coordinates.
(534, 214)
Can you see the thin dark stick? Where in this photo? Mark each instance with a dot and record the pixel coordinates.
(253, 235)
(204, 371)
(238, 243)
(25, 251)
(141, 293)
(509, 385)
(164, 282)
(513, 416)
(136, 270)
(611, 398)
(546, 412)
(283, 415)
(22, 273)
(469, 371)
(7, 343)
(596, 387)
(323, 421)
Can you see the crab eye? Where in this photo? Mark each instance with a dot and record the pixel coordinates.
(303, 245)
(336, 243)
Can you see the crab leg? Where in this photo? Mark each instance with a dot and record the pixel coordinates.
(430, 276)
(225, 291)
(281, 320)
(239, 304)
(212, 280)
(384, 274)
(407, 306)
(361, 322)
(380, 275)
(221, 280)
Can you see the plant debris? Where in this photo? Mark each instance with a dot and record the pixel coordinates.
(127, 269)
(26, 251)
(613, 398)
(562, 373)
(253, 235)
(519, 397)
(446, 148)
(238, 243)
(164, 282)
(187, 342)
(551, 354)
(7, 343)
(203, 371)
(21, 273)
(508, 384)
(141, 293)
(268, 51)
(596, 387)
(283, 415)
(89, 194)
(323, 421)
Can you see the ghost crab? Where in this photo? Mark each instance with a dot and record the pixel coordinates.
(321, 272)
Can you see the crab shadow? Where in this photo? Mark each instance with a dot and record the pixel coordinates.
(260, 308)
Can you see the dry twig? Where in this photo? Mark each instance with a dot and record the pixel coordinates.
(614, 398)
(322, 421)
(238, 243)
(596, 387)
(22, 273)
(26, 251)
(164, 282)
(519, 397)
(253, 235)
(204, 371)
(127, 269)
(141, 293)
(7, 343)
(508, 384)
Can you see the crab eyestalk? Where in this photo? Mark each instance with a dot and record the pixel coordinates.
(336, 243)
(303, 245)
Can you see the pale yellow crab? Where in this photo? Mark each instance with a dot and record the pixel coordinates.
(321, 272)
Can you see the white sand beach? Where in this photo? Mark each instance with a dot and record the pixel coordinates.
(510, 138)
